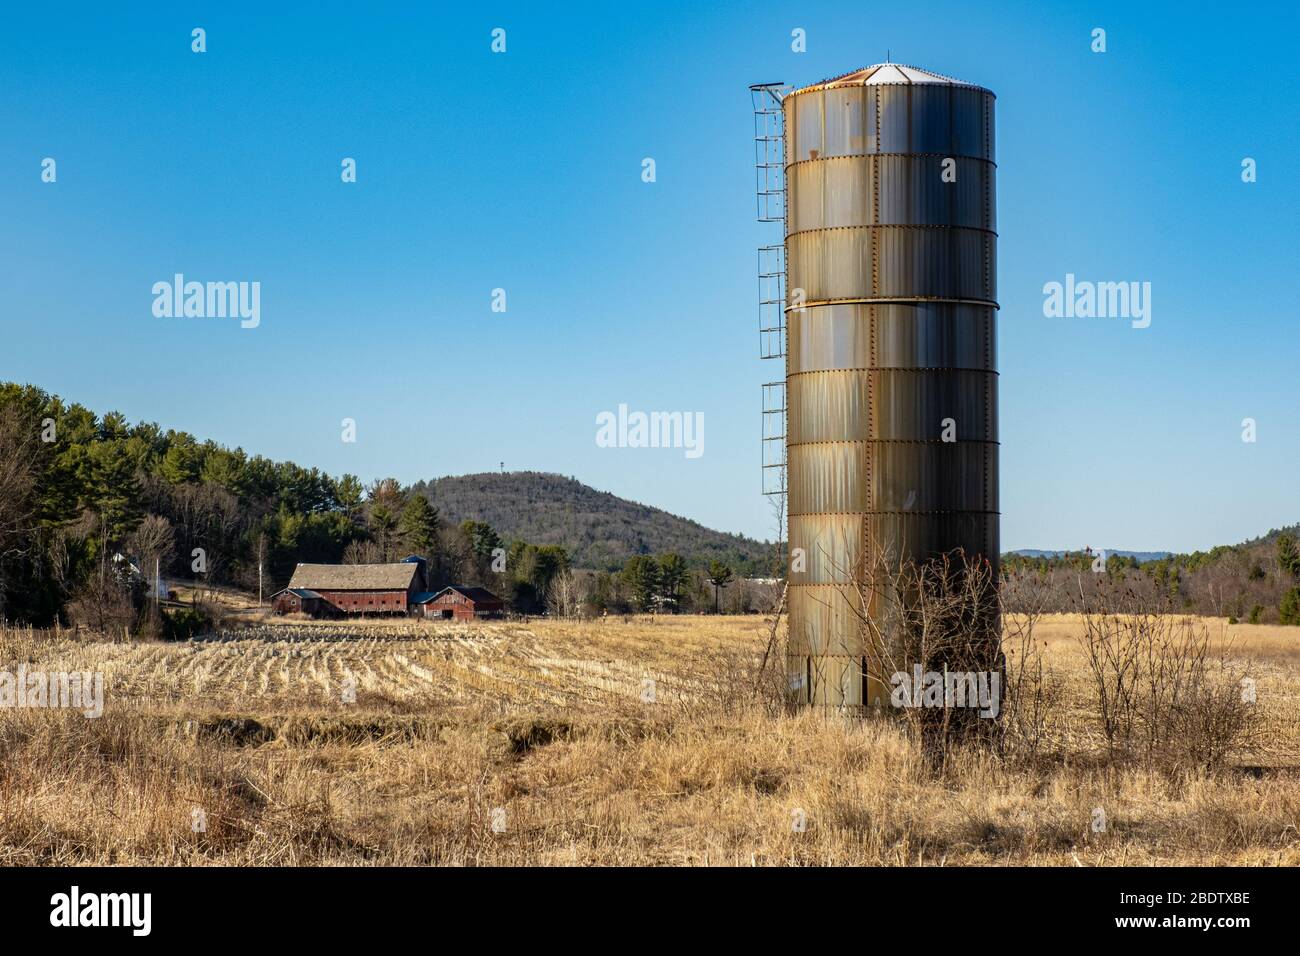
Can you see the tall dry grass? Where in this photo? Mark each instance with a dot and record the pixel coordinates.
(545, 730)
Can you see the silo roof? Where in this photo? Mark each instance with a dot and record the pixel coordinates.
(880, 74)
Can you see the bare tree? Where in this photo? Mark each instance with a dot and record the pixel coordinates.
(566, 594)
(262, 550)
(17, 489)
(362, 552)
(207, 516)
(153, 541)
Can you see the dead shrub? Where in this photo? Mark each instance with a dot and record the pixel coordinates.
(1161, 696)
(1033, 692)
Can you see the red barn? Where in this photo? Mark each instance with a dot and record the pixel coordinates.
(351, 589)
(460, 603)
(298, 601)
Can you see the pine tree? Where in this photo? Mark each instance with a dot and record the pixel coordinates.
(1289, 612)
(419, 526)
(348, 492)
(1288, 556)
(719, 576)
(641, 575)
(672, 575)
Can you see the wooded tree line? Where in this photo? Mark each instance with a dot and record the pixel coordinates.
(1256, 582)
(90, 507)
(88, 501)
(668, 584)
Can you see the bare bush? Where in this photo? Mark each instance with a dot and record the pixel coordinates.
(1032, 691)
(733, 683)
(102, 605)
(933, 617)
(1161, 695)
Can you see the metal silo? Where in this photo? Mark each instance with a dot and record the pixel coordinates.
(891, 384)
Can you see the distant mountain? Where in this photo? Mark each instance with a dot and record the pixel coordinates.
(1140, 556)
(599, 530)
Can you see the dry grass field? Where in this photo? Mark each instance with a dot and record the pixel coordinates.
(603, 743)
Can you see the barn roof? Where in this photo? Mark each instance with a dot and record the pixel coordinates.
(354, 577)
(477, 595)
(303, 592)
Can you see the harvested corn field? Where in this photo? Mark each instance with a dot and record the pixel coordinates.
(418, 666)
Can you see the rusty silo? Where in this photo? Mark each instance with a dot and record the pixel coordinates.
(890, 347)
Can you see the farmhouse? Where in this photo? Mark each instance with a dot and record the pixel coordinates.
(329, 589)
(460, 603)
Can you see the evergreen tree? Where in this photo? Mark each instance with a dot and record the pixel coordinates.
(182, 462)
(641, 575)
(226, 469)
(348, 492)
(719, 576)
(385, 505)
(1288, 556)
(483, 542)
(1289, 612)
(672, 576)
(419, 526)
(115, 490)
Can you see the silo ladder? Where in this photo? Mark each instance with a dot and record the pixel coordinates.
(769, 165)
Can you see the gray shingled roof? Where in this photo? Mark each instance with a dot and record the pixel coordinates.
(354, 577)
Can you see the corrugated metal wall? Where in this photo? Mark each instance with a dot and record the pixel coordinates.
(896, 273)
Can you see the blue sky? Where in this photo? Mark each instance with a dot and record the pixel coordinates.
(523, 171)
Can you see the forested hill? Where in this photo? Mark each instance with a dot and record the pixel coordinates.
(599, 530)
